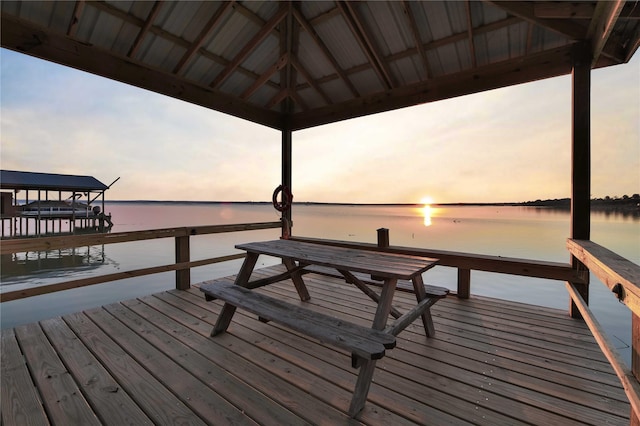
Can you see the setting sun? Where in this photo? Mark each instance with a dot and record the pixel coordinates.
(426, 200)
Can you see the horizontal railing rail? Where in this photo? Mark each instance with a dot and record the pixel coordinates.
(182, 266)
(9, 246)
(466, 262)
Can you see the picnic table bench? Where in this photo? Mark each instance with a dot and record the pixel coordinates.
(366, 344)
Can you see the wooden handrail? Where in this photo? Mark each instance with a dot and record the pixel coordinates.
(10, 246)
(68, 285)
(182, 266)
(619, 274)
(627, 379)
(469, 261)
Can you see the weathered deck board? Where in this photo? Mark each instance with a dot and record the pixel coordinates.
(491, 363)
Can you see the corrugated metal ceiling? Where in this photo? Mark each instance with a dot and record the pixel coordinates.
(309, 63)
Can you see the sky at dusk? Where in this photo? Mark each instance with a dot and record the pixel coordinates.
(511, 144)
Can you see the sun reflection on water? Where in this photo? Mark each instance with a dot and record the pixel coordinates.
(426, 212)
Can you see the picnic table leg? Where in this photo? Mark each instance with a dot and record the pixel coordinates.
(367, 367)
(427, 321)
(296, 277)
(224, 319)
(246, 269)
(384, 304)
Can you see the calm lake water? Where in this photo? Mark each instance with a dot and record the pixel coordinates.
(522, 232)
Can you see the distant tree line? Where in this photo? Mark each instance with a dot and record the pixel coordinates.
(625, 202)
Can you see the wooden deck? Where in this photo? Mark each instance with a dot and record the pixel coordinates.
(151, 360)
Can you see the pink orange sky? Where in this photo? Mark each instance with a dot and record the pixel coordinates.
(511, 144)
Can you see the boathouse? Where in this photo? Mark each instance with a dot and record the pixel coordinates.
(290, 66)
(48, 199)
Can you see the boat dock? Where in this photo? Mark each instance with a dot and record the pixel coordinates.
(151, 360)
(61, 201)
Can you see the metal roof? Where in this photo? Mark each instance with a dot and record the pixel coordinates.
(10, 179)
(293, 65)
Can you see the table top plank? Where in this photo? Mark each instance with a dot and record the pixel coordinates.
(387, 265)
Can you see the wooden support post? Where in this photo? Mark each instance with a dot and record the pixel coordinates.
(580, 157)
(183, 276)
(287, 149)
(464, 283)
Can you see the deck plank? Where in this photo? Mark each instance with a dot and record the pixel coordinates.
(21, 403)
(112, 405)
(189, 350)
(162, 406)
(62, 398)
(491, 362)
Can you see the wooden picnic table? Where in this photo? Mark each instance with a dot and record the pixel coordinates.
(366, 344)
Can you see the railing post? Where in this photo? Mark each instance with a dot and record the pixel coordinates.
(464, 283)
(183, 276)
(383, 241)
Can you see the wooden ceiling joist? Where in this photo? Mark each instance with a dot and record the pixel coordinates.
(204, 33)
(406, 7)
(325, 50)
(148, 23)
(249, 47)
(604, 18)
(78, 8)
(366, 43)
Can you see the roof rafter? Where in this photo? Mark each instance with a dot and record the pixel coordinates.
(148, 23)
(487, 77)
(472, 46)
(264, 77)
(366, 43)
(54, 46)
(249, 47)
(570, 29)
(75, 18)
(289, 44)
(204, 33)
(602, 23)
(279, 97)
(305, 74)
(325, 50)
(526, 11)
(406, 8)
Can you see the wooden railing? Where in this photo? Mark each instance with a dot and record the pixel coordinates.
(182, 265)
(622, 277)
(466, 262)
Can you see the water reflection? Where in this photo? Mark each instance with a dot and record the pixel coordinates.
(426, 213)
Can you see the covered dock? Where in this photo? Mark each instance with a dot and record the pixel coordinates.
(57, 197)
(291, 66)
